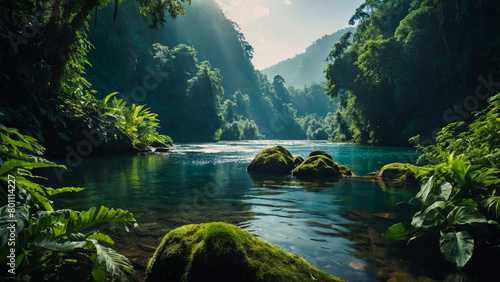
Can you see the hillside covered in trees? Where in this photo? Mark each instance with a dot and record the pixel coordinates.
(307, 67)
(199, 78)
(412, 67)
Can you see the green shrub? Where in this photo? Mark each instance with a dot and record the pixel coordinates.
(51, 244)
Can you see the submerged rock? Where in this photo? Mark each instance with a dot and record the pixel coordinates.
(224, 252)
(397, 171)
(275, 160)
(319, 165)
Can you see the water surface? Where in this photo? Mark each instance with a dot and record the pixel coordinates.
(334, 225)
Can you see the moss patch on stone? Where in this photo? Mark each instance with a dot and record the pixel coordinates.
(275, 160)
(320, 153)
(344, 170)
(297, 161)
(224, 252)
(320, 166)
(397, 171)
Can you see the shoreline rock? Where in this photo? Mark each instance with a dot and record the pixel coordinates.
(397, 171)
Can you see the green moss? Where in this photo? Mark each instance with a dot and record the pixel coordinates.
(397, 171)
(275, 160)
(320, 153)
(297, 161)
(320, 166)
(224, 252)
(344, 170)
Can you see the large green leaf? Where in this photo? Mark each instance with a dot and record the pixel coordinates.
(52, 192)
(426, 189)
(80, 221)
(430, 213)
(445, 190)
(113, 262)
(101, 237)
(11, 165)
(49, 242)
(457, 247)
(399, 231)
(465, 215)
(37, 191)
(460, 170)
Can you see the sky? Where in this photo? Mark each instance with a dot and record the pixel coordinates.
(280, 29)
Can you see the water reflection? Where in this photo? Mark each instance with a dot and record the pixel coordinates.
(324, 222)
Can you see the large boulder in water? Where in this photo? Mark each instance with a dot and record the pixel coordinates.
(397, 171)
(320, 153)
(224, 252)
(320, 165)
(275, 160)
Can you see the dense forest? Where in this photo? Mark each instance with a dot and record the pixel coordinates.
(197, 84)
(413, 66)
(233, 101)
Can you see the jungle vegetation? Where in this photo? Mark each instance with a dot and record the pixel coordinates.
(124, 75)
(412, 66)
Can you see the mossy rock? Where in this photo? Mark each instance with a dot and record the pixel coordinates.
(224, 252)
(297, 161)
(344, 170)
(320, 153)
(397, 171)
(275, 160)
(320, 166)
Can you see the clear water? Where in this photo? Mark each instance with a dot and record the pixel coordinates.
(333, 225)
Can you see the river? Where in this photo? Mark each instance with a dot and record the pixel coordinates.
(334, 225)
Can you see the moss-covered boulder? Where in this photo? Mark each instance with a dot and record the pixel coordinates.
(224, 252)
(275, 160)
(297, 161)
(320, 166)
(397, 171)
(320, 153)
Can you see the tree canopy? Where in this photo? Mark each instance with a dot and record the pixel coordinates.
(409, 62)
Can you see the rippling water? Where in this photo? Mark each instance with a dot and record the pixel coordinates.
(334, 225)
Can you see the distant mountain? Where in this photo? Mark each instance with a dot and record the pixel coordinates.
(307, 67)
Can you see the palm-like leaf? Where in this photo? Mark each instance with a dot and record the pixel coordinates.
(493, 205)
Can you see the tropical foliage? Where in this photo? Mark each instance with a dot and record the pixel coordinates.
(44, 51)
(459, 198)
(414, 66)
(479, 141)
(51, 244)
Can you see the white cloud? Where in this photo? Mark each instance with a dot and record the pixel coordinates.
(260, 12)
(288, 2)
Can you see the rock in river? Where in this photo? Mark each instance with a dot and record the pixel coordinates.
(275, 160)
(224, 252)
(397, 171)
(320, 165)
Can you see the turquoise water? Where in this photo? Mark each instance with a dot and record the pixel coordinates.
(334, 225)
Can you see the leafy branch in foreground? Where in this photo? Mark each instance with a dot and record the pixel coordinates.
(51, 244)
(460, 197)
